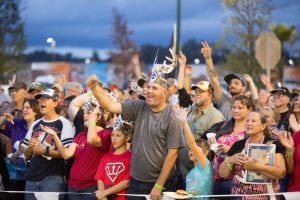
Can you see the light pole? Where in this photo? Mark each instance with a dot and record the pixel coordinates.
(52, 42)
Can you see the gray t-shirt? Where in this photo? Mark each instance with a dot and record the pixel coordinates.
(225, 105)
(154, 134)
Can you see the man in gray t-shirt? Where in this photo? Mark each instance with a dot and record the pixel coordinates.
(158, 135)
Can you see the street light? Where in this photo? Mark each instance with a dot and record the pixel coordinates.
(52, 42)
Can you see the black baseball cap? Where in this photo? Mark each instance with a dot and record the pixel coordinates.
(281, 90)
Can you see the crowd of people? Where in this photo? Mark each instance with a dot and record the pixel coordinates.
(165, 134)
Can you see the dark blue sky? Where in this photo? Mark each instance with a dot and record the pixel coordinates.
(86, 24)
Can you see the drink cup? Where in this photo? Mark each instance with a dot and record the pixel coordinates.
(210, 135)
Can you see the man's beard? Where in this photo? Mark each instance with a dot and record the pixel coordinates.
(234, 93)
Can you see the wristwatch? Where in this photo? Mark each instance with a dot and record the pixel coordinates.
(47, 151)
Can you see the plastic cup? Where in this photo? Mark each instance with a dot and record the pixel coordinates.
(210, 135)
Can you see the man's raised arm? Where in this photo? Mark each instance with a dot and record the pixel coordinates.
(94, 84)
(212, 73)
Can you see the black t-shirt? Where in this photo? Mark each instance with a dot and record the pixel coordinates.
(238, 146)
(284, 120)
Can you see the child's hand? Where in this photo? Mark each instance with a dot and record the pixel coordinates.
(93, 115)
(100, 195)
(181, 114)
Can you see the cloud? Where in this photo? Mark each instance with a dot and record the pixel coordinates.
(88, 23)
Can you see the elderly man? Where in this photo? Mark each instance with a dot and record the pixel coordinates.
(157, 136)
(73, 89)
(18, 93)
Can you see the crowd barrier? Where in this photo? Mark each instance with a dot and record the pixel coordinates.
(55, 195)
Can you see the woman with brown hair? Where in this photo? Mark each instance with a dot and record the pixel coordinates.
(227, 133)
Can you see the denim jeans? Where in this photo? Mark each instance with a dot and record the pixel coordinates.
(80, 196)
(284, 182)
(47, 184)
(222, 187)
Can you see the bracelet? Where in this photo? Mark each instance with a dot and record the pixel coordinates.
(229, 165)
(159, 187)
(47, 151)
(289, 153)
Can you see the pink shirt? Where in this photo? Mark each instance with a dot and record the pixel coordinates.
(228, 139)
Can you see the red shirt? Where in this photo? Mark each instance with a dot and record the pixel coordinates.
(294, 184)
(114, 168)
(86, 160)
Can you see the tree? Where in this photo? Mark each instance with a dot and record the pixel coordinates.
(248, 19)
(125, 46)
(95, 57)
(12, 38)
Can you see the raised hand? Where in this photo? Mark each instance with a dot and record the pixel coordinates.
(264, 79)
(92, 81)
(135, 60)
(181, 59)
(93, 115)
(181, 114)
(286, 140)
(294, 123)
(248, 78)
(206, 50)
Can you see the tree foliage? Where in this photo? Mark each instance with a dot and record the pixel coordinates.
(12, 38)
(125, 47)
(247, 20)
(120, 35)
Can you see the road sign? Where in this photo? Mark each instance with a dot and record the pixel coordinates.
(267, 50)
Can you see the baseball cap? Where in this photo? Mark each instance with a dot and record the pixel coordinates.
(35, 86)
(281, 90)
(203, 85)
(229, 77)
(58, 87)
(295, 93)
(50, 93)
(18, 85)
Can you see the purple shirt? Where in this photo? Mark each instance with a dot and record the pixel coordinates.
(17, 131)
